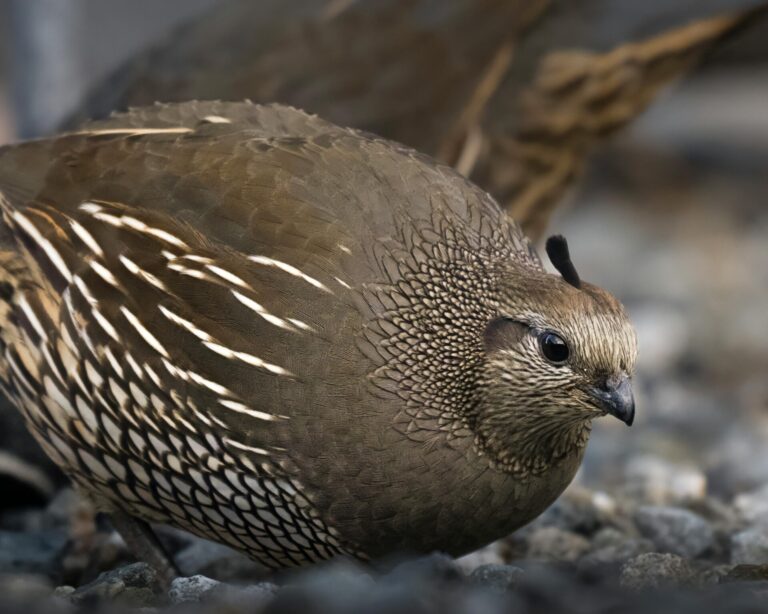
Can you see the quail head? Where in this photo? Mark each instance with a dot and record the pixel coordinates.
(293, 338)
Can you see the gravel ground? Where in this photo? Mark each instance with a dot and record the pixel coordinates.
(668, 516)
(591, 552)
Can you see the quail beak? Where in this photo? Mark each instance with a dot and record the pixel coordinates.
(616, 398)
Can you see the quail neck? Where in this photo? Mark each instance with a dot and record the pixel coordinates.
(293, 338)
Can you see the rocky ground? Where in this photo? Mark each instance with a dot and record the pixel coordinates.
(591, 552)
(671, 515)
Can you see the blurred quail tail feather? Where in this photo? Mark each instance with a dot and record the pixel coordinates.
(292, 338)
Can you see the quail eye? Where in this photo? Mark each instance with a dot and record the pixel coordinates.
(553, 347)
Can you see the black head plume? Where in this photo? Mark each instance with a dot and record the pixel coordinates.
(557, 250)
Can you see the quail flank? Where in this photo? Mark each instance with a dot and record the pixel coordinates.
(293, 338)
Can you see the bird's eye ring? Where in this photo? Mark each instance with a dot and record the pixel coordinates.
(554, 348)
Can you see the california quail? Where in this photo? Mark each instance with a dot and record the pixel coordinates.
(521, 129)
(293, 338)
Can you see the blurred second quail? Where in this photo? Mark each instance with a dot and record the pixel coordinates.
(293, 338)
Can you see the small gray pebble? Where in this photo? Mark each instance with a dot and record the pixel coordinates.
(64, 592)
(654, 569)
(137, 585)
(499, 577)
(554, 544)
(608, 536)
(752, 506)
(490, 555)
(191, 589)
(615, 553)
(576, 511)
(675, 530)
(750, 547)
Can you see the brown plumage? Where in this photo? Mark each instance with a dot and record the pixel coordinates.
(293, 338)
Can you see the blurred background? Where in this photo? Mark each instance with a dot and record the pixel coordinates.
(670, 213)
(54, 51)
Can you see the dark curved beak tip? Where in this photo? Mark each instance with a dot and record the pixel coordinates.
(629, 418)
(616, 398)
